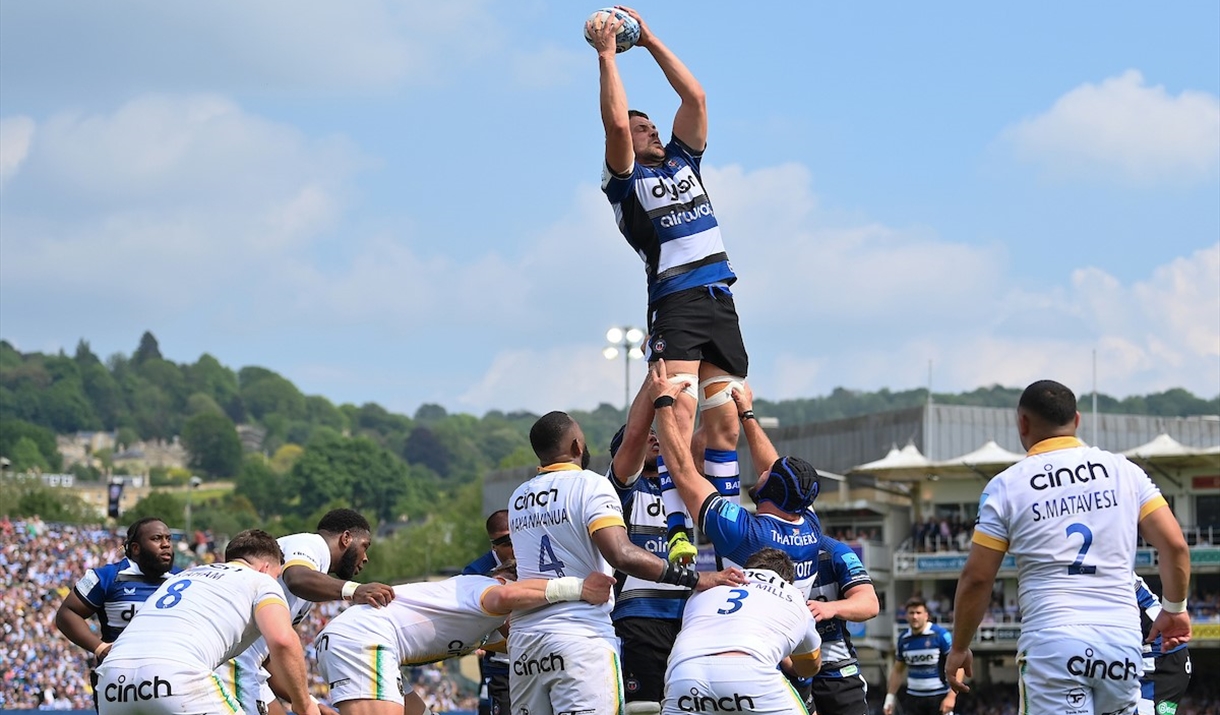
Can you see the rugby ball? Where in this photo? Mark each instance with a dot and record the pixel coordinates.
(627, 35)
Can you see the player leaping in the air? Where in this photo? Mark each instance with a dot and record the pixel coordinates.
(664, 213)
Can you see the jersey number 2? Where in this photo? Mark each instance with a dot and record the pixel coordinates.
(1078, 566)
(546, 558)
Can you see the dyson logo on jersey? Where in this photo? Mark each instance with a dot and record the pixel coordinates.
(673, 189)
(546, 664)
(531, 499)
(677, 218)
(1089, 667)
(1082, 474)
(125, 692)
(696, 703)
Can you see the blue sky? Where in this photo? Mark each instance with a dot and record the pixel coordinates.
(398, 201)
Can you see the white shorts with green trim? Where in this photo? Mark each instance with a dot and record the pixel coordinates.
(360, 670)
(1079, 670)
(728, 683)
(553, 674)
(248, 683)
(146, 687)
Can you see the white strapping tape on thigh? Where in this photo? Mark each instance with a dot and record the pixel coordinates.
(725, 396)
(690, 380)
(643, 707)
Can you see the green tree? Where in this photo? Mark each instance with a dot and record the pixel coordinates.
(273, 394)
(356, 472)
(161, 505)
(200, 402)
(265, 488)
(148, 349)
(213, 444)
(26, 457)
(12, 430)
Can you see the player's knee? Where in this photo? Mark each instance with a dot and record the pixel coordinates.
(718, 391)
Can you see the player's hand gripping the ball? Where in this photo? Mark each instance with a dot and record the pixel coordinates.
(646, 35)
(604, 36)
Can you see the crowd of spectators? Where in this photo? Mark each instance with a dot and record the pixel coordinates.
(948, 533)
(40, 668)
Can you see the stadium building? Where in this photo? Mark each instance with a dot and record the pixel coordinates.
(902, 489)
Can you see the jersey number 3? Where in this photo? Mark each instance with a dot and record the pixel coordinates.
(1077, 567)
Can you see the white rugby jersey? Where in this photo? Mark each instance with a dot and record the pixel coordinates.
(765, 617)
(200, 617)
(1070, 516)
(306, 550)
(431, 621)
(551, 518)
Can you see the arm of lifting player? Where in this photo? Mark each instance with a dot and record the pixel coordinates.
(629, 459)
(72, 619)
(616, 547)
(762, 452)
(692, 487)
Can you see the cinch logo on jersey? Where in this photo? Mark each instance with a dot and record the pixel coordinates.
(124, 692)
(534, 666)
(1105, 669)
(532, 499)
(1066, 475)
(696, 703)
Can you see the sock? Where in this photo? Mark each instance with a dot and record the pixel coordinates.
(720, 468)
(675, 511)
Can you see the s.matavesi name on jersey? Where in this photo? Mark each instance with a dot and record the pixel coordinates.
(1069, 504)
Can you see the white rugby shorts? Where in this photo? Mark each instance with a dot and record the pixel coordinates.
(1079, 670)
(360, 670)
(728, 683)
(553, 674)
(142, 687)
(248, 685)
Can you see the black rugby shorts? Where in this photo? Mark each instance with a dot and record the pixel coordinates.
(698, 324)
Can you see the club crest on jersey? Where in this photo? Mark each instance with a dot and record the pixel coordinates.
(672, 163)
(658, 345)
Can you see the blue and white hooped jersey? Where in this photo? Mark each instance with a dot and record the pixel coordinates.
(839, 570)
(645, 515)
(924, 654)
(117, 591)
(737, 534)
(666, 216)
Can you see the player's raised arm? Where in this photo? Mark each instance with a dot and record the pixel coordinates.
(695, 490)
(690, 122)
(620, 157)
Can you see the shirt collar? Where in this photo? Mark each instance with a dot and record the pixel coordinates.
(1054, 444)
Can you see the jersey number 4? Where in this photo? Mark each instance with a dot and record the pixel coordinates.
(546, 558)
(1077, 567)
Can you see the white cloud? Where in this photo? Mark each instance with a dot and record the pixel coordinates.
(1125, 130)
(16, 134)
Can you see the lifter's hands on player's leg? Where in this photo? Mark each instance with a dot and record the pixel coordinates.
(959, 665)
